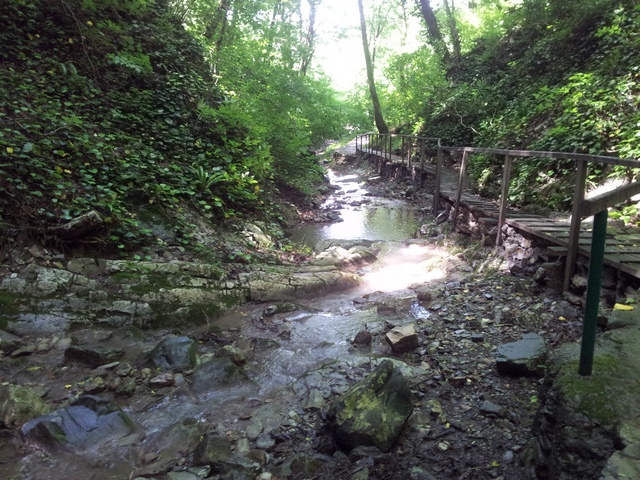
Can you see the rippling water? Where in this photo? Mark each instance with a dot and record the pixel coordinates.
(376, 219)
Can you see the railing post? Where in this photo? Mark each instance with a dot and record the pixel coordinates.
(436, 188)
(574, 232)
(463, 167)
(504, 196)
(422, 154)
(598, 238)
(409, 159)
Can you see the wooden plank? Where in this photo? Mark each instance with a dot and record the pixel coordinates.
(615, 251)
(628, 237)
(601, 202)
(622, 258)
(622, 249)
(550, 228)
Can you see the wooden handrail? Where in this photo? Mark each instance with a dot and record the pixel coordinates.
(596, 204)
(581, 208)
(609, 160)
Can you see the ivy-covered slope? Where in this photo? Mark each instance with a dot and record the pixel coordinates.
(561, 75)
(108, 106)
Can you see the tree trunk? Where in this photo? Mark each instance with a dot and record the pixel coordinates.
(433, 29)
(216, 30)
(310, 38)
(377, 111)
(453, 30)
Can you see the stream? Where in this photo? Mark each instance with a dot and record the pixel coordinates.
(362, 216)
(253, 408)
(280, 348)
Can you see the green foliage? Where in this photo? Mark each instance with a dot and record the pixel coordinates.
(257, 60)
(557, 75)
(109, 105)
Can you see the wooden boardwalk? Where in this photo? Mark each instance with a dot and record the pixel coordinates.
(622, 250)
(622, 247)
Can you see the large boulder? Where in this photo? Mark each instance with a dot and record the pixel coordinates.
(373, 411)
(88, 422)
(172, 353)
(19, 404)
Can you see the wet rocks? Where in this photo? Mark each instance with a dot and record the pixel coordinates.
(278, 283)
(402, 339)
(88, 422)
(213, 450)
(9, 342)
(172, 353)
(19, 404)
(218, 373)
(363, 338)
(93, 355)
(339, 256)
(373, 411)
(166, 447)
(523, 357)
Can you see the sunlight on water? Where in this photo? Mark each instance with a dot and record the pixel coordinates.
(386, 219)
(409, 265)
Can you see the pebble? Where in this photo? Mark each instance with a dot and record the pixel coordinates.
(124, 370)
(265, 441)
(508, 456)
(24, 351)
(254, 430)
(94, 385)
(162, 380)
(492, 409)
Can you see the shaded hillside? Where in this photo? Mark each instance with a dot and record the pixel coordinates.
(109, 106)
(557, 75)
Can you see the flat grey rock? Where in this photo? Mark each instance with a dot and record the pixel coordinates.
(525, 357)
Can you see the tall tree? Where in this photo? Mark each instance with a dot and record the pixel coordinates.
(309, 38)
(450, 9)
(433, 32)
(377, 110)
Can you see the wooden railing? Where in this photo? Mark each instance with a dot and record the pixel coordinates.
(581, 208)
(371, 143)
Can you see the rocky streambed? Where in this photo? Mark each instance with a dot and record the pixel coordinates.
(423, 358)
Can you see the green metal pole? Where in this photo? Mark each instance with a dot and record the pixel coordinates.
(598, 238)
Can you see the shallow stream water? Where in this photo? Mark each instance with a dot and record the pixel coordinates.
(317, 331)
(363, 216)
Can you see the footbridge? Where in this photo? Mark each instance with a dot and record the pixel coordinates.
(583, 231)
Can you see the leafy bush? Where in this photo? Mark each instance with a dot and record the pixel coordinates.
(109, 105)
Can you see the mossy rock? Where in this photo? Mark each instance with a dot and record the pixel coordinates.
(595, 395)
(19, 404)
(373, 411)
